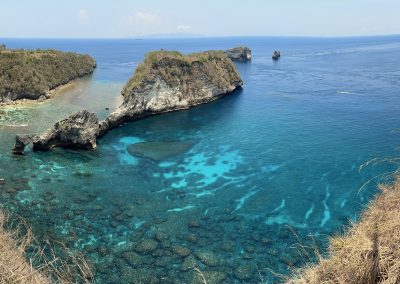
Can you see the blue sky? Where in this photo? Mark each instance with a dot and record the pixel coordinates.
(131, 18)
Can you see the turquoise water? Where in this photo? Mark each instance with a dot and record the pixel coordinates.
(269, 167)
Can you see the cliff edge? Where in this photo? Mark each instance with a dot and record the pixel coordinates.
(168, 81)
(165, 81)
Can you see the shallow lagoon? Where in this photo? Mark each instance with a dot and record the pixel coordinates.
(269, 167)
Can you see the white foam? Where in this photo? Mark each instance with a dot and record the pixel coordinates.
(327, 213)
(181, 208)
(243, 199)
(309, 212)
(280, 207)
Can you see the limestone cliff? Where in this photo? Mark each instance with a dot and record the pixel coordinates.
(32, 74)
(241, 54)
(165, 81)
(168, 81)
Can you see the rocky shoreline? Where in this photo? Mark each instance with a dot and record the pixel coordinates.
(166, 81)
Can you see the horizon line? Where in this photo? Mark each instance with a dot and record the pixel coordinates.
(166, 36)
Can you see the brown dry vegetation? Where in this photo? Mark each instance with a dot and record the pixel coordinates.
(369, 252)
(15, 268)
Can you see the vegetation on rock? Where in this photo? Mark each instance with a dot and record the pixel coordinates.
(177, 69)
(30, 74)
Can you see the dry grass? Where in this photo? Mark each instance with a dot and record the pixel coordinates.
(42, 267)
(369, 252)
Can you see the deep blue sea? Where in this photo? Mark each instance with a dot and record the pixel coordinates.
(272, 167)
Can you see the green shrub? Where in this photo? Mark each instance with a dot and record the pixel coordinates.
(32, 73)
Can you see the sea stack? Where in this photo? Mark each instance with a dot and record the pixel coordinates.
(33, 74)
(166, 81)
(276, 55)
(241, 54)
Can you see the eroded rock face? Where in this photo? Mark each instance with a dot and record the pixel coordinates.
(21, 141)
(80, 130)
(241, 54)
(169, 81)
(165, 81)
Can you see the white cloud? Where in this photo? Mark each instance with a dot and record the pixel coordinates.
(183, 28)
(141, 18)
(83, 15)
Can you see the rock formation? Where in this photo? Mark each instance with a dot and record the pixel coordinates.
(276, 55)
(21, 141)
(168, 81)
(80, 130)
(165, 81)
(242, 54)
(32, 74)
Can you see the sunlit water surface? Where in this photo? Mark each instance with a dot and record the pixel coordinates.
(257, 173)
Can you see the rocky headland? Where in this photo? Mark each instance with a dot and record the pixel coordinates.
(241, 54)
(33, 74)
(166, 81)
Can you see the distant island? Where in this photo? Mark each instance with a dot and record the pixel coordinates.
(33, 74)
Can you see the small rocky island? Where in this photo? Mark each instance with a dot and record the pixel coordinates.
(276, 55)
(166, 81)
(33, 74)
(241, 54)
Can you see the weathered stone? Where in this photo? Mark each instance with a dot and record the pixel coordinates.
(239, 54)
(189, 263)
(21, 141)
(181, 251)
(132, 258)
(146, 246)
(245, 272)
(80, 130)
(169, 81)
(208, 258)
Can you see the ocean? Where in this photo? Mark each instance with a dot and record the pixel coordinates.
(284, 163)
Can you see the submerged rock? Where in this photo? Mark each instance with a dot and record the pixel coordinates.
(168, 81)
(80, 130)
(207, 257)
(241, 54)
(146, 246)
(158, 151)
(276, 55)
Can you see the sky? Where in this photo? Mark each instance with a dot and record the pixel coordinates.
(133, 18)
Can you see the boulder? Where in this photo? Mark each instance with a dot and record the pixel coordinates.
(80, 130)
(241, 54)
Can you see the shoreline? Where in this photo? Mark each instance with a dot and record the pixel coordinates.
(49, 95)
